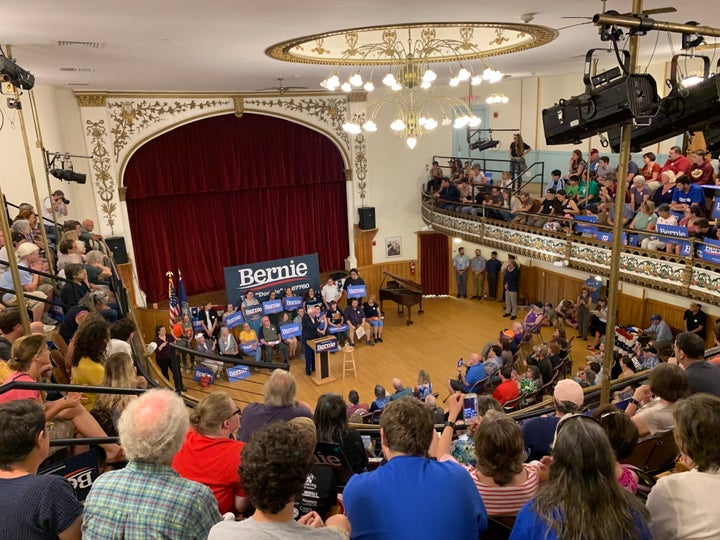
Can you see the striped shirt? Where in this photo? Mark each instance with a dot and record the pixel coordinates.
(503, 500)
(145, 500)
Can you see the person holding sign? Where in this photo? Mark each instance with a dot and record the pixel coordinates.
(252, 311)
(353, 280)
(336, 322)
(355, 318)
(270, 338)
(249, 344)
(290, 341)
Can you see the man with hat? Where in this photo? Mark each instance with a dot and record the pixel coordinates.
(28, 256)
(660, 332)
(539, 432)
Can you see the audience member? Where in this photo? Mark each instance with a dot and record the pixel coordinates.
(623, 436)
(274, 468)
(88, 355)
(133, 502)
(381, 399)
(270, 339)
(400, 390)
(695, 320)
(582, 482)
(355, 319)
(676, 162)
(507, 390)
(702, 375)
(684, 505)
(119, 373)
(28, 257)
(474, 373)
(511, 284)
(209, 455)
(374, 318)
(332, 426)
(280, 404)
(451, 508)
(355, 406)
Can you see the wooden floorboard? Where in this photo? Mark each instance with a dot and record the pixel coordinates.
(449, 329)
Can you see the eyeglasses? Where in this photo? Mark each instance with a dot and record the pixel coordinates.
(238, 412)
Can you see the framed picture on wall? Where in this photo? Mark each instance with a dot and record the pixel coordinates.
(393, 246)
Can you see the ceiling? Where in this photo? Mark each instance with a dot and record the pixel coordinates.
(164, 45)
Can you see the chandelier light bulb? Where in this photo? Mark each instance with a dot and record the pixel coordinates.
(332, 82)
(461, 121)
(356, 80)
(474, 121)
(422, 120)
(396, 87)
(369, 86)
(454, 81)
(425, 85)
(370, 126)
(445, 121)
(411, 142)
(463, 74)
(397, 125)
(431, 123)
(389, 80)
(351, 127)
(476, 80)
(429, 76)
(346, 87)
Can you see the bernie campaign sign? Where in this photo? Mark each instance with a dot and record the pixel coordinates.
(299, 273)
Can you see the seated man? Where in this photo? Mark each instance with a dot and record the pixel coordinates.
(355, 319)
(274, 467)
(28, 256)
(330, 292)
(336, 322)
(279, 405)
(474, 372)
(134, 502)
(660, 332)
(685, 195)
(448, 195)
(412, 496)
(400, 390)
(33, 506)
(270, 338)
(508, 389)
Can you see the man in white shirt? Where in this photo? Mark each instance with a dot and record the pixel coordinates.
(330, 292)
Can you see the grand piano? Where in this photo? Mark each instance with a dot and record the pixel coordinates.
(404, 292)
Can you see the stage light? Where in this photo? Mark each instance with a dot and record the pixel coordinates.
(68, 175)
(484, 144)
(15, 75)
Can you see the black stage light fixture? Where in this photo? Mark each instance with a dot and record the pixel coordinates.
(612, 97)
(683, 110)
(484, 144)
(69, 175)
(15, 75)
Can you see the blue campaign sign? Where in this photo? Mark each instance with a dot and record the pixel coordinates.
(672, 230)
(255, 309)
(716, 207)
(202, 371)
(329, 344)
(272, 306)
(581, 228)
(356, 291)
(81, 471)
(709, 251)
(685, 249)
(248, 347)
(236, 319)
(608, 237)
(299, 273)
(290, 330)
(237, 373)
(292, 303)
(197, 325)
(338, 329)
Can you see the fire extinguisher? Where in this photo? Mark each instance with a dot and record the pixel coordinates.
(412, 267)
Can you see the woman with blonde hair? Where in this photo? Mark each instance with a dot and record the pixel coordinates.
(208, 454)
(518, 150)
(30, 360)
(119, 373)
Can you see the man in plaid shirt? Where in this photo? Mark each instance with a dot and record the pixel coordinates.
(148, 499)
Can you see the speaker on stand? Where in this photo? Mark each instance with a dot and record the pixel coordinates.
(367, 218)
(117, 246)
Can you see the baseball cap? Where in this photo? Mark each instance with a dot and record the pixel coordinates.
(26, 249)
(569, 390)
(59, 192)
(655, 317)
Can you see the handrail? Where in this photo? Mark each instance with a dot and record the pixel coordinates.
(25, 385)
(236, 360)
(483, 161)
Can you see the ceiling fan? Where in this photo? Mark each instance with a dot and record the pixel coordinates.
(645, 12)
(281, 88)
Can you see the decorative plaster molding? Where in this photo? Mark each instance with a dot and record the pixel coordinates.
(91, 100)
(102, 171)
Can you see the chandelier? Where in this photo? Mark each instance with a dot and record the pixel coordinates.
(401, 58)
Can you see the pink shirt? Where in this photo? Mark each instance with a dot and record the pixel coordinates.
(12, 395)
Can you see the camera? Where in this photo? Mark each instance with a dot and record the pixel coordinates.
(66, 201)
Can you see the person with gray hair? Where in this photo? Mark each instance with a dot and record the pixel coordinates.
(280, 405)
(148, 499)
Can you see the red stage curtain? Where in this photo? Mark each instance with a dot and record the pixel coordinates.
(227, 191)
(434, 268)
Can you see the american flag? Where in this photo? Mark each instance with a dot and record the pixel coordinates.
(174, 305)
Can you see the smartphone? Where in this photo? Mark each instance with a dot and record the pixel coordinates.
(460, 362)
(470, 406)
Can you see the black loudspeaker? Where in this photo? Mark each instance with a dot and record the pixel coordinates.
(367, 218)
(119, 251)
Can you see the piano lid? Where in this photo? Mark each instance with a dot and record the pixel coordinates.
(408, 284)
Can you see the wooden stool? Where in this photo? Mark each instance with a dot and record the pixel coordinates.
(349, 361)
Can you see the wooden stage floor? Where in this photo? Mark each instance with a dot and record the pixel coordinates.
(450, 328)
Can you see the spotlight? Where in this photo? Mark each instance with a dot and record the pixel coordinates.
(15, 75)
(484, 144)
(68, 175)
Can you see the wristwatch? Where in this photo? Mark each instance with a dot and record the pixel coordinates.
(450, 424)
(635, 402)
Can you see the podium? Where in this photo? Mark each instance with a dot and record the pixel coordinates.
(322, 347)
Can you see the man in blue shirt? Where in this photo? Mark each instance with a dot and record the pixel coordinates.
(492, 268)
(686, 195)
(594, 285)
(412, 496)
(475, 372)
(461, 262)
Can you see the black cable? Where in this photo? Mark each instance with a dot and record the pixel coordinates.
(657, 38)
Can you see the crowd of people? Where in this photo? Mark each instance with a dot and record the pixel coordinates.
(676, 194)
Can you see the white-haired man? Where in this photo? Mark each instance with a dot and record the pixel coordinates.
(148, 499)
(28, 256)
(280, 405)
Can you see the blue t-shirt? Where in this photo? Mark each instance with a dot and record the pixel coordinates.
(694, 196)
(592, 283)
(414, 497)
(529, 526)
(538, 434)
(474, 374)
(37, 507)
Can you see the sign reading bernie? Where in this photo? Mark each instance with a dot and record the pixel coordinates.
(298, 273)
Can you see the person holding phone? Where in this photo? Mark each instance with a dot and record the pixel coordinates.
(467, 378)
